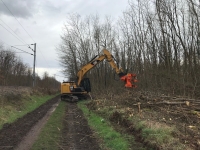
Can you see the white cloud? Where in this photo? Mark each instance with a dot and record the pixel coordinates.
(29, 7)
(52, 72)
(43, 20)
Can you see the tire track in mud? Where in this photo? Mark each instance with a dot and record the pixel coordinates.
(117, 120)
(12, 134)
(76, 134)
(28, 140)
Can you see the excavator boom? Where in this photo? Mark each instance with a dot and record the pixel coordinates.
(129, 78)
(77, 90)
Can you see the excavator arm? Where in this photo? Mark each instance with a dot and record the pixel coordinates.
(129, 78)
(96, 60)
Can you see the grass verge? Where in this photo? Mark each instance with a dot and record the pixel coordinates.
(151, 132)
(11, 112)
(51, 133)
(157, 134)
(110, 138)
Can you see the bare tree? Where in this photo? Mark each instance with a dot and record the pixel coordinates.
(157, 39)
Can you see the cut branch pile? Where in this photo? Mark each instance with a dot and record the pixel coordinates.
(182, 104)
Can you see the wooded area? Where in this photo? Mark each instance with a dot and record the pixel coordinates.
(14, 72)
(159, 40)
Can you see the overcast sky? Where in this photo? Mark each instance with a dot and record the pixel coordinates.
(41, 23)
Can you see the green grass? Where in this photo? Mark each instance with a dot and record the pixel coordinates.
(10, 112)
(51, 133)
(157, 133)
(111, 138)
(153, 132)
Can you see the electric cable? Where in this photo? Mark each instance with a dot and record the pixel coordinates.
(24, 30)
(11, 33)
(16, 19)
(14, 32)
(21, 45)
(22, 50)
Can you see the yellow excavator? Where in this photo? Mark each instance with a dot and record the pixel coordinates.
(73, 91)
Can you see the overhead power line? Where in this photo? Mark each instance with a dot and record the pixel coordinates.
(14, 33)
(16, 19)
(24, 30)
(11, 33)
(22, 50)
(22, 45)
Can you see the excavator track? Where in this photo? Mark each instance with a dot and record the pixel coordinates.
(70, 98)
(73, 99)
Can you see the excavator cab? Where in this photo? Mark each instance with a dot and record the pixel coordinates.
(85, 83)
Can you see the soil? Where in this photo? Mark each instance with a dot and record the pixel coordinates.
(76, 134)
(180, 116)
(28, 140)
(139, 143)
(187, 125)
(12, 134)
(155, 108)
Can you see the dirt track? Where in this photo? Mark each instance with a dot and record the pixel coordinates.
(75, 135)
(12, 134)
(28, 140)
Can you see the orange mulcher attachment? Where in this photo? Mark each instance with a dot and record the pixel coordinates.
(129, 80)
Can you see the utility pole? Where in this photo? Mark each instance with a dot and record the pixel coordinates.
(34, 64)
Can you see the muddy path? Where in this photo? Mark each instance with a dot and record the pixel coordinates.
(76, 134)
(12, 134)
(28, 140)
